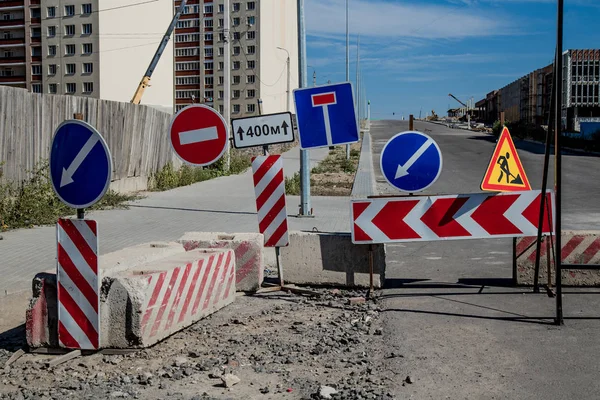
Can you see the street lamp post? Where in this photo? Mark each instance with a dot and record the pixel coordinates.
(289, 81)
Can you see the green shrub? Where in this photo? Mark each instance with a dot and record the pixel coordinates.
(292, 185)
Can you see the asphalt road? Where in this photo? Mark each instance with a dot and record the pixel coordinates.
(461, 330)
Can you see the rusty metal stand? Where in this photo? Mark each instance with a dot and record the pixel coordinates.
(371, 262)
(282, 287)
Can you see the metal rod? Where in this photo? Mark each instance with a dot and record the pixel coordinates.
(514, 264)
(279, 267)
(227, 77)
(371, 270)
(411, 122)
(536, 288)
(347, 62)
(548, 263)
(305, 209)
(558, 164)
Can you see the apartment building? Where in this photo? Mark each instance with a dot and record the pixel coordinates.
(95, 48)
(263, 33)
(581, 85)
(20, 44)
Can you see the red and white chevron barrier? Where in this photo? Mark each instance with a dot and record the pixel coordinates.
(78, 284)
(176, 296)
(269, 188)
(464, 216)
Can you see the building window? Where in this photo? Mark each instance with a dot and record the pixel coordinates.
(187, 66)
(187, 80)
(70, 88)
(209, 80)
(88, 68)
(51, 12)
(221, 94)
(221, 8)
(208, 23)
(70, 69)
(87, 48)
(251, 64)
(36, 70)
(236, 108)
(221, 37)
(52, 88)
(86, 8)
(8, 35)
(51, 31)
(221, 51)
(208, 52)
(236, 21)
(236, 50)
(236, 6)
(221, 22)
(36, 88)
(8, 53)
(221, 80)
(69, 11)
(250, 79)
(236, 65)
(251, 49)
(251, 108)
(88, 87)
(208, 95)
(35, 13)
(236, 94)
(250, 35)
(187, 94)
(209, 65)
(221, 66)
(70, 49)
(208, 37)
(251, 5)
(236, 36)
(69, 30)
(36, 51)
(236, 79)
(251, 20)
(86, 29)
(52, 50)
(251, 93)
(187, 37)
(208, 9)
(221, 109)
(52, 69)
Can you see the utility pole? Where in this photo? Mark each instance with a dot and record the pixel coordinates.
(305, 209)
(314, 78)
(347, 62)
(227, 78)
(358, 79)
(289, 81)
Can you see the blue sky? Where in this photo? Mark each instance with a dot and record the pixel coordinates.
(415, 52)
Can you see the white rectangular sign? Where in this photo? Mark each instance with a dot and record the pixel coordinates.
(262, 130)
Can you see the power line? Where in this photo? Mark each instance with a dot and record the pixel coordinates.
(99, 11)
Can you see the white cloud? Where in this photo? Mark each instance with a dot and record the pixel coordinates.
(389, 20)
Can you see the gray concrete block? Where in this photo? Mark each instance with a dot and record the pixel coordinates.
(248, 248)
(330, 259)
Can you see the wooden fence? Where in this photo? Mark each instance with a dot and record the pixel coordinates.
(136, 135)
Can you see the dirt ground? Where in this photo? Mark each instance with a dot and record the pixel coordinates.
(279, 345)
(334, 176)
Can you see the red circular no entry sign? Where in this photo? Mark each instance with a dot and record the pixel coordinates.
(199, 135)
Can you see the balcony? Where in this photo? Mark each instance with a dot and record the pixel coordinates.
(15, 79)
(12, 60)
(36, 39)
(11, 4)
(14, 42)
(34, 2)
(37, 20)
(11, 22)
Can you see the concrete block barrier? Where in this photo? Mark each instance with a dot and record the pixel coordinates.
(315, 258)
(578, 247)
(248, 248)
(157, 291)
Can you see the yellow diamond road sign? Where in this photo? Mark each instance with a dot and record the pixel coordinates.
(505, 172)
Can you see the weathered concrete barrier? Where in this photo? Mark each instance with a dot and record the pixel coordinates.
(315, 258)
(578, 247)
(144, 299)
(248, 248)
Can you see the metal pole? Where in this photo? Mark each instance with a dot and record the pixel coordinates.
(347, 62)
(369, 115)
(558, 164)
(227, 77)
(305, 209)
(536, 288)
(289, 85)
(411, 122)
(358, 78)
(80, 211)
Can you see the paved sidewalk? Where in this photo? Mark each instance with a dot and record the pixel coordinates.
(223, 204)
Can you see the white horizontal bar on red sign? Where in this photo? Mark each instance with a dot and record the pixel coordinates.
(198, 135)
(450, 217)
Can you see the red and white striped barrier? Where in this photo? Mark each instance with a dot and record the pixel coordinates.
(269, 188)
(464, 216)
(78, 284)
(578, 247)
(176, 297)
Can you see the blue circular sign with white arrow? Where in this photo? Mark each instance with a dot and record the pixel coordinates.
(80, 164)
(411, 161)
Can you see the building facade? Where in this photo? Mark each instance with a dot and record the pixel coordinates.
(20, 44)
(92, 48)
(581, 85)
(262, 34)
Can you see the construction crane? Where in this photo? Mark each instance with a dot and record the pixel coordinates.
(454, 97)
(145, 82)
(468, 111)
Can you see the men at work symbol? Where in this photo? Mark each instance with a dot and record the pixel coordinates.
(505, 170)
